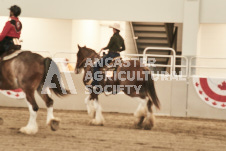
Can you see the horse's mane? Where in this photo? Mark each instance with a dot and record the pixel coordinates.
(90, 51)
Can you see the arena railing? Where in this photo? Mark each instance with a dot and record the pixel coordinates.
(144, 56)
(196, 61)
(44, 53)
(172, 60)
(172, 57)
(144, 61)
(184, 66)
(185, 62)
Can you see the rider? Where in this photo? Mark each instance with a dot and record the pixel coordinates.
(115, 46)
(12, 29)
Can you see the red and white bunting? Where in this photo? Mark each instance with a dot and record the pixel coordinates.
(16, 94)
(211, 90)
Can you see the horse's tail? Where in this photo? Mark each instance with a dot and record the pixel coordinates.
(52, 76)
(150, 90)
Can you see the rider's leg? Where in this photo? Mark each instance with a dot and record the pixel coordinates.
(5, 45)
(96, 68)
(101, 63)
(2, 50)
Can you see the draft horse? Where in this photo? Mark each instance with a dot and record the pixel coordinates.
(28, 71)
(144, 117)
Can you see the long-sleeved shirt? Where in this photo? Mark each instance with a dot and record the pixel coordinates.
(116, 43)
(12, 28)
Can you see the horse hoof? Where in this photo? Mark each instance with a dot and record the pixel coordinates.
(148, 126)
(1, 121)
(55, 124)
(28, 130)
(95, 123)
(137, 126)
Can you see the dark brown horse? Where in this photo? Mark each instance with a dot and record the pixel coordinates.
(138, 84)
(28, 71)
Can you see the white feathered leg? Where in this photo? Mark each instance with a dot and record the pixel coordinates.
(90, 107)
(51, 120)
(140, 113)
(32, 126)
(150, 119)
(99, 119)
(49, 115)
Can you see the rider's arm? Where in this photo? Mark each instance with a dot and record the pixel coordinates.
(5, 30)
(111, 42)
(123, 46)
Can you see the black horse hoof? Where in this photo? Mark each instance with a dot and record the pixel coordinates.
(54, 124)
(148, 126)
(137, 126)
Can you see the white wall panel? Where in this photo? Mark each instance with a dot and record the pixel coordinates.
(213, 11)
(126, 10)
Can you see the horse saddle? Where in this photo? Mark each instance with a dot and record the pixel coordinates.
(113, 65)
(109, 69)
(9, 48)
(10, 54)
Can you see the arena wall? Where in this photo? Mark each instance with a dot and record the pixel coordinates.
(178, 98)
(172, 102)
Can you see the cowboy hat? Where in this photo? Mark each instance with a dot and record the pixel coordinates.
(115, 26)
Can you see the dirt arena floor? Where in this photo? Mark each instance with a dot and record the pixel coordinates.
(169, 133)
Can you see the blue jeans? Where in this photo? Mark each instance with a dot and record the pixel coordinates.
(101, 63)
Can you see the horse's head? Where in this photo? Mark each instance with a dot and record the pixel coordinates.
(82, 55)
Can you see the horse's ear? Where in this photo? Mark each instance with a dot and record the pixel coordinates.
(85, 46)
(79, 47)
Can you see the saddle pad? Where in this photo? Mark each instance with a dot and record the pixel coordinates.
(14, 54)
